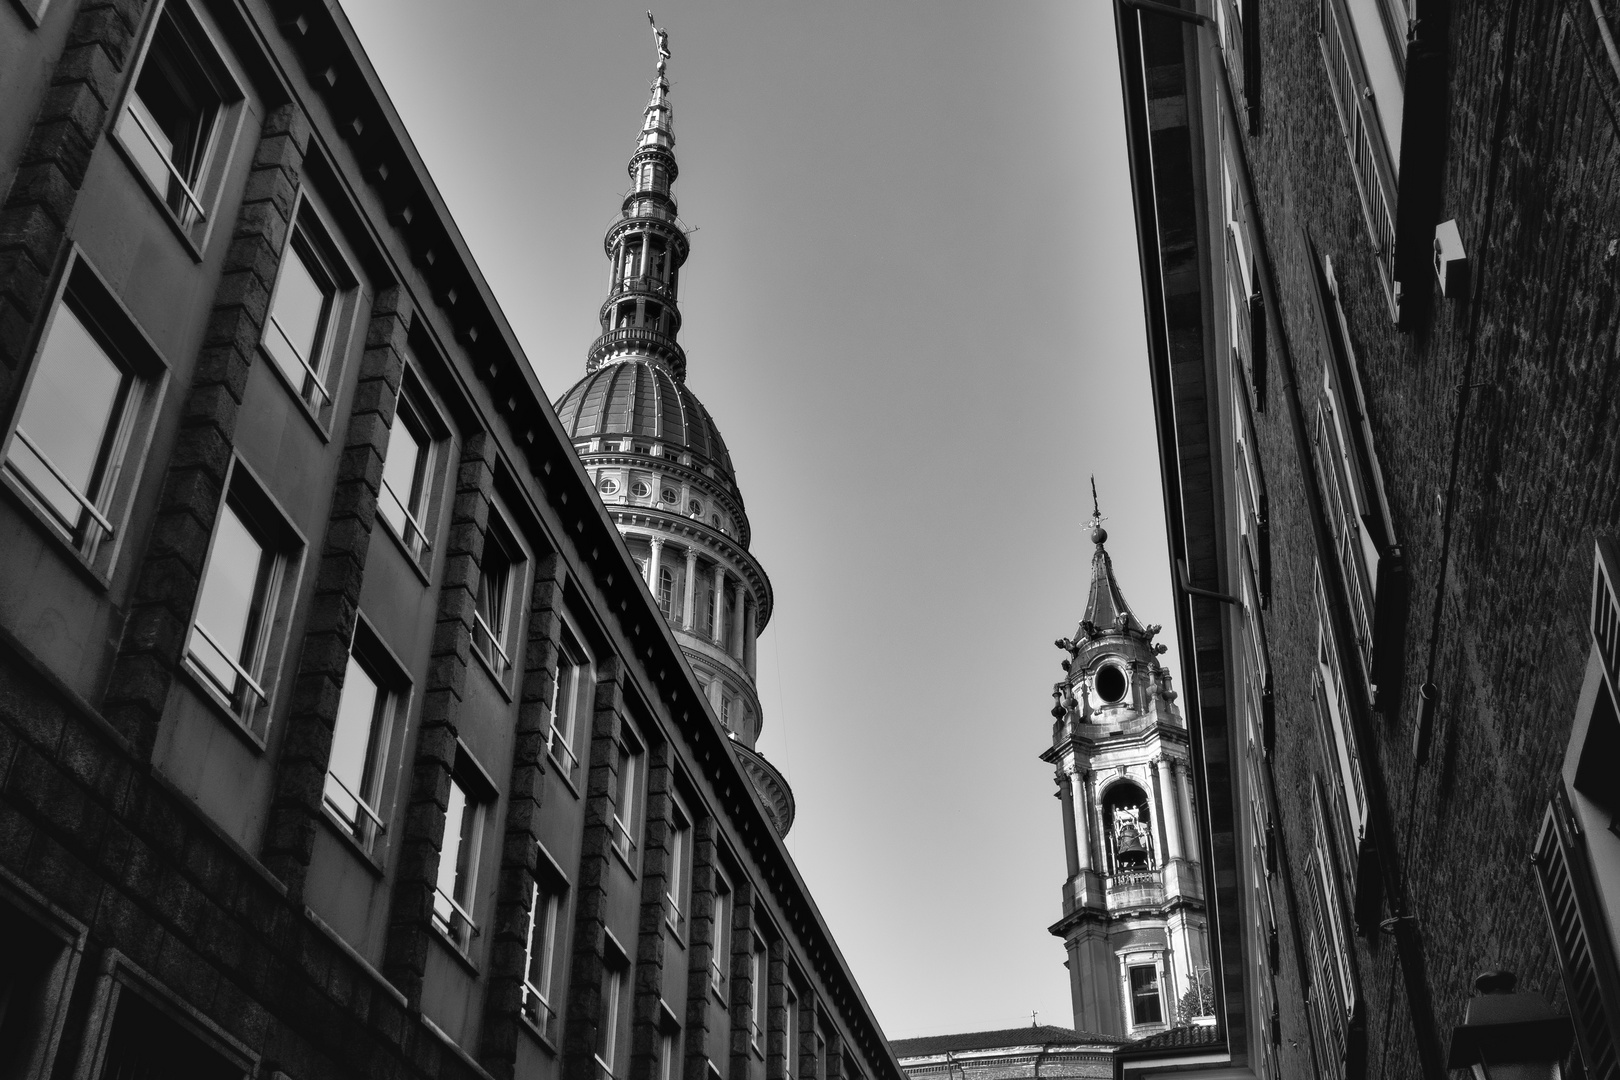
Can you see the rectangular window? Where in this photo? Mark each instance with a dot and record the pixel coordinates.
(456, 888)
(790, 1036)
(627, 798)
(669, 1055)
(720, 945)
(756, 996)
(299, 333)
(238, 602)
(360, 740)
(1358, 514)
(146, 1041)
(403, 498)
(495, 614)
(1332, 996)
(540, 958)
(610, 1019)
(1339, 747)
(73, 428)
(572, 695)
(175, 120)
(1145, 1005)
(668, 594)
(680, 869)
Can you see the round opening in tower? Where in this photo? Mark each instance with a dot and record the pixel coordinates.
(1111, 684)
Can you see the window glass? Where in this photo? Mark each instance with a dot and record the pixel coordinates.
(540, 959)
(1383, 69)
(756, 1000)
(68, 422)
(607, 1027)
(490, 613)
(790, 1036)
(570, 703)
(299, 313)
(666, 593)
(458, 865)
(359, 743)
(1145, 1007)
(720, 947)
(680, 858)
(667, 1055)
(232, 611)
(626, 797)
(146, 1042)
(169, 121)
(402, 502)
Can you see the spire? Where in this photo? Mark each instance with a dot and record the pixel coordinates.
(646, 246)
(1106, 609)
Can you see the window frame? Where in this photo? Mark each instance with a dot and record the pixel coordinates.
(610, 1020)
(119, 975)
(368, 652)
(678, 882)
(541, 1006)
(211, 62)
(312, 238)
(1137, 997)
(458, 928)
(411, 409)
(720, 932)
(562, 741)
(504, 640)
(759, 966)
(121, 453)
(280, 540)
(1341, 756)
(629, 797)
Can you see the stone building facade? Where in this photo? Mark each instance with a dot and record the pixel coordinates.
(340, 733)
(1378, 244)
(1134, 924)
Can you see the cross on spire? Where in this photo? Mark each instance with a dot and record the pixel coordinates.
(1098, 533)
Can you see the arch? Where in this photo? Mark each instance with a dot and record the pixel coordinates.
(1127, 813)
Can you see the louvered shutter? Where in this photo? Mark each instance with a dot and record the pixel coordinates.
(1584, 950)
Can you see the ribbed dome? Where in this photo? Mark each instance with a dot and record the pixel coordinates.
(640, 398)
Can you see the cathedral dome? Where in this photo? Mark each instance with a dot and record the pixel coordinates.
(640, 398)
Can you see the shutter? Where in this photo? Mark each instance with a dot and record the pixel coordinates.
(1580, 934)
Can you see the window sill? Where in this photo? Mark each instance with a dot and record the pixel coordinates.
(367, 858)
(489, 669)
(537, 1035)
(192, 245)
(322, 429)
(221, 707)
(404, 549)
(26, 506)
(461, 958)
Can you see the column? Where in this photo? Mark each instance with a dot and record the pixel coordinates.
(1082, 817)
(655, 564)
(737, 622)
(1184, 800)
(719, 612)
(1170, 805)
(750, 633)
(688, 616)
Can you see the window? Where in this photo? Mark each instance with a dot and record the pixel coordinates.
(299, 334)
(174, 123)
(756, 995)
(1353, 490)
(495, 615)
(610, 1020)
(1332, 983)
(1245, 305)
(679, 885)
(627, 798)
(703, 599)
(43, 948)
(790, 1036)
(457, 884)
(607, 485)
(1365, 81)
(360, 741)
(1145, 1004)
(239, 600)
(145, 1041)
(669, 1055)
(67, 449)
(407, 477)
(668, 596)
(571, 700)
(720, 945)
(540, 958)
(1342, 757)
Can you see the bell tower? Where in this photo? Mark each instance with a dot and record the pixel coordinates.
(1134, 921)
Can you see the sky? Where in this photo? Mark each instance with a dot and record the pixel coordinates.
(913, 307)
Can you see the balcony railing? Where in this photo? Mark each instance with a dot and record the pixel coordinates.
(1135, 888)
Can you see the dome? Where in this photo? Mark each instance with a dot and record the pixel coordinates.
(640, 398)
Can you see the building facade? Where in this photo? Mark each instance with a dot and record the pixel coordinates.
(1037, 1052)
(1378, 267)
(659, 463)
(340, 733)
(1134, 925)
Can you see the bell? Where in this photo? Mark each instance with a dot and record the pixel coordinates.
(1132, 854)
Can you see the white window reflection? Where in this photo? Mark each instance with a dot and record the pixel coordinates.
(233, 613)
(359, 746)
(403, 500)
(297, 331)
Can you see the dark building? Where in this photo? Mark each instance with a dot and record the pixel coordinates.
(339, 732)
(1379, 245)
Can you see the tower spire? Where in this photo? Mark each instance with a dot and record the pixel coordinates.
(1106, 609)
(646, 247)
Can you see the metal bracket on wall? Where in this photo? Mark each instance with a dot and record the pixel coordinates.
(1190, 589)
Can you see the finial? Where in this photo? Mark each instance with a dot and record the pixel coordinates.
(1098, 533)
(662, 37)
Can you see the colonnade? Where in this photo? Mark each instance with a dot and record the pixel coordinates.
(1173, 808)
(741, 617)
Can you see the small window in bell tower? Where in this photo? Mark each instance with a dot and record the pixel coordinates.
(1111, 684)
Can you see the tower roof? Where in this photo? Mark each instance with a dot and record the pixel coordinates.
(1106, 608)
(642, 399)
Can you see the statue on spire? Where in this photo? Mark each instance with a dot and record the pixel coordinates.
(662, 37)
